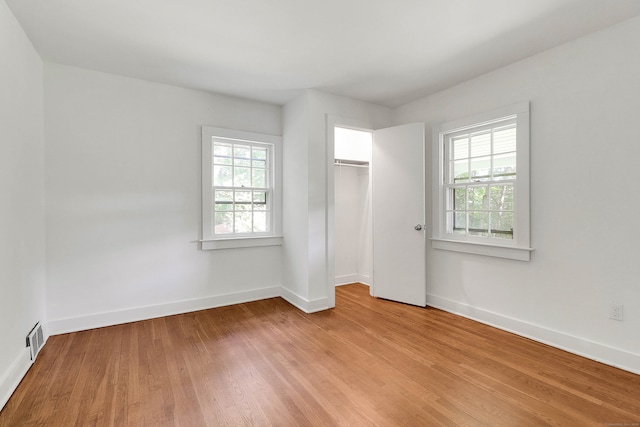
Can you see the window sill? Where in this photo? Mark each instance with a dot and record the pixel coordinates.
(509, 252)
(241, 242)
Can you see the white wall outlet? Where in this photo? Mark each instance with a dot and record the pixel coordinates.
(615, 311)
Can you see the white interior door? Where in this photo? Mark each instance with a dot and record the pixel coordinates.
(398, 206)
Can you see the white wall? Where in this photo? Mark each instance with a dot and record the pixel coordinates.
(305, 122)
(365, 228)
(352, 230)
(347, 225)
(123, 201)
(295, 208)
(585, 99)
(22, 203)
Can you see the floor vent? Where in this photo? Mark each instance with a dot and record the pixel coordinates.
(35, 340)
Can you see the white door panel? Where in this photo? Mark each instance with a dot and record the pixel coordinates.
(398, 205)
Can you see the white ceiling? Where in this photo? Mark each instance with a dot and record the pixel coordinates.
(387, 52)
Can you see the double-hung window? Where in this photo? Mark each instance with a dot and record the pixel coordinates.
(240, 197)
(482, 202)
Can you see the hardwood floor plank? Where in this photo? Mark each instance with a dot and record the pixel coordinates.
(368, 362)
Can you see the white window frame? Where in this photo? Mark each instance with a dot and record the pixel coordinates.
(517, 248)
(209, 240)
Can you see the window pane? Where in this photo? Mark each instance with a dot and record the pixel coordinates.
(221, 149)
(222, 154)
(477, 198)
(242, 155)
(480, 169)
(460, 222)
(260, 197)
(243, 222)
(501, 198)
(242, 195)
(460, 171)
(243, 200)
(223, 222)
(460, 198)
(478, 223)
(223, 196)
(259, 178)
(222, 160)
(259, 163)
(259, 200)
(504, 166)
(504, 141)
(241, 177)
(460, 148)
(223, 206)
(481, 144)
(222, 176)
(260, 224)
(502, 225)
(259, 153)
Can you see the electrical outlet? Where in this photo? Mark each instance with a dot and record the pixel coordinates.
(615, 311)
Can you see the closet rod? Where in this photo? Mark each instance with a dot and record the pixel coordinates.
(351, 163)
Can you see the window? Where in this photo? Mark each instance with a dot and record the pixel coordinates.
(240, 197)
(480, 173)
(482, 202)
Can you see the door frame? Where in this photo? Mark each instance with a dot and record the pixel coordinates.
(333, 122)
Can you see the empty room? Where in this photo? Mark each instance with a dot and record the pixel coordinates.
(316, 213)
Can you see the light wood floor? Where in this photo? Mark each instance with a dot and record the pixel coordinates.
(367, 362)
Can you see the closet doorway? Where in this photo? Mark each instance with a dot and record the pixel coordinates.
(353, 220)
(376, 223)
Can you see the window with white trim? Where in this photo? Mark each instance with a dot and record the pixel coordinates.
(482, 202)
(241, 188)
(240, 199)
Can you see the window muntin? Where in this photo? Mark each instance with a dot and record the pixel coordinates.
(241, 188)
(480, 176)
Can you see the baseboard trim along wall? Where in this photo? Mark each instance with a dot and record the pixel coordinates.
(588, 349)
(346, 279)
(364, 279)
(349, 279)
(99, 320)
(11, 379)
(308, 306)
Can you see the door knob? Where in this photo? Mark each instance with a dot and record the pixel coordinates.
(418, 227)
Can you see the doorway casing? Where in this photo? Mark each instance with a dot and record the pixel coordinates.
(332, 123)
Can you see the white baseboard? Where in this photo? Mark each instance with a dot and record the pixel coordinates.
(11, 379)
(364, 279)
(355, 282)
(98, 320)
(348, 279)
(345, 279)
(582, 347)
(304, 304)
